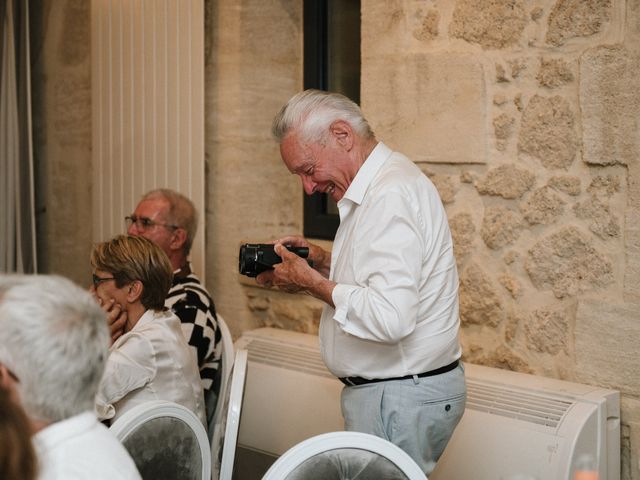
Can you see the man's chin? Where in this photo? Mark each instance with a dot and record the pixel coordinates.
(336, 195)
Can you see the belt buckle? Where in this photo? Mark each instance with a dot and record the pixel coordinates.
(349, 382)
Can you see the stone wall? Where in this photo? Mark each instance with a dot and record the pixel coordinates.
(525, 116)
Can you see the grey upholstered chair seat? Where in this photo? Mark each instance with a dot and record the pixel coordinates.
(345, 456)
(166, 441)
(347, 464)
(165, 448)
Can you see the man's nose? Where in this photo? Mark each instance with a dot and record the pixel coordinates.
(133, 229)
(308, 185)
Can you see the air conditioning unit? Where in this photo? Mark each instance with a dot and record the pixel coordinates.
(517, 424)
(289, 397)
(514, 424)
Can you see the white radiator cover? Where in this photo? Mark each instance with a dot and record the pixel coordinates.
(535, 426)
(513, 423)
(289, 394)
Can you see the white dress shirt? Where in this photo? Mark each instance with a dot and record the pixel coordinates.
(79, 448)
(151, 362)
(396, 298)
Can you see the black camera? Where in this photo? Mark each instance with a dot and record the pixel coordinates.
(256, 258)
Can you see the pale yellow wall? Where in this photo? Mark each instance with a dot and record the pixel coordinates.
(61, 82)
(525, 119)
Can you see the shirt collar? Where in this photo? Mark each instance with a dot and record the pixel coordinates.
(183, 271)
(146, 317)
(367, 172)
(56, 433)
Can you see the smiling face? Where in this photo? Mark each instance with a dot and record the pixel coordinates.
(326, 167)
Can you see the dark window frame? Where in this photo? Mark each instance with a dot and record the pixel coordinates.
(319, 222)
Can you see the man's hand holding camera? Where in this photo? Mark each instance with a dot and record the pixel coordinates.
(292, 273)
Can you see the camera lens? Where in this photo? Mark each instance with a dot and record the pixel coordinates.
(247, 260)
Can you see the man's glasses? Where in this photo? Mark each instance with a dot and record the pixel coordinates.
(98, 280)
(143, 223)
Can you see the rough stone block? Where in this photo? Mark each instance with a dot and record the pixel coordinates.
(610, 109)
(503, 128)
(493, 24)
(446, 186)
(606, 344)
(500, 227)
(577, 18)
(415, 107)
(479, 301)
(507, 181)
(511, 284)
(566, 184)
(604, 185)
(547, 131)
(543, 207)
(502, 357)
(463, 233)
(568, 263)
(554, 72)
(602, 222)
(547, 331)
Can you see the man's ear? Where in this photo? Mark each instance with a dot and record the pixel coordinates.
(135, 291)
(178, 239)
(10, 384)
(343, 133)
(6, 379)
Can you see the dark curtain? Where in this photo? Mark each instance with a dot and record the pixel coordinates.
(17, 219)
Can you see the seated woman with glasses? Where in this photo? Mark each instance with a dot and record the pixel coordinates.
(151, 360)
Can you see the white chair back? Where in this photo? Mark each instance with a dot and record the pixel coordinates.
(226, 364)
(338, 455)
(225, 450)
(165, 440)
(217, 421)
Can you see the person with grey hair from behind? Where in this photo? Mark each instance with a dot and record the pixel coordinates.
(390, 323)
(53, 349)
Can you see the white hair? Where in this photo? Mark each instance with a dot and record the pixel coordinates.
(54, 337)
(311, 112)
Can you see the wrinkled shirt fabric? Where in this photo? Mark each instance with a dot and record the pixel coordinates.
(396, 299)
(151, 362)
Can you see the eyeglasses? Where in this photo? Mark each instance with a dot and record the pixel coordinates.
(143, 223)
(98, 280)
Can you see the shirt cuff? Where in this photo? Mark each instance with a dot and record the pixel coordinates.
(340, 296)
(104, 411)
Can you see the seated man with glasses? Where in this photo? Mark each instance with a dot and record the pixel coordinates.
(170, 220)
(53, 351)
(151, 359)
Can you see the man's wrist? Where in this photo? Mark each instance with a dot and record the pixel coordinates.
(322, 289)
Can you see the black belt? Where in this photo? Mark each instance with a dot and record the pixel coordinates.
(351, 381)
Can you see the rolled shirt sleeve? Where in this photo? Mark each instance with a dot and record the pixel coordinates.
(379, 300)
(131, 365)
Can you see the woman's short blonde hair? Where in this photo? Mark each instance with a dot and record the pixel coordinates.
(130, 258)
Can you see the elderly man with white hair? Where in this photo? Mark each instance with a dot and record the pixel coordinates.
(53, 349)
(390, 323)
